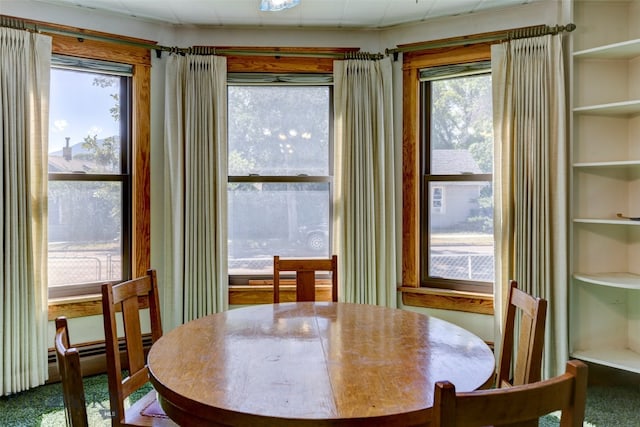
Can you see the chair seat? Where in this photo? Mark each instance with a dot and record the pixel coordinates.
(148, 412)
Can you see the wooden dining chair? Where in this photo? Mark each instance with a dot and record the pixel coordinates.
(128, 297)
(305, 270)
(527, 359)
(75, 408)
(521, 405)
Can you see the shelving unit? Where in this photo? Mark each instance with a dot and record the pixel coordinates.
(605, 249)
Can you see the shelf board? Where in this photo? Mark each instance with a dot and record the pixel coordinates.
(611, 164)
(624, 108)
(619, 358)
(614, 279)
(623, 50)
(614, 221)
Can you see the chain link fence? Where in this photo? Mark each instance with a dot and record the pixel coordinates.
(100, 266)
(478, 267)
(71, 267)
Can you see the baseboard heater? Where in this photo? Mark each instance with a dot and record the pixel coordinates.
(93, 357)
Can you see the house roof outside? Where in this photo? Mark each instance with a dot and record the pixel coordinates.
(58, 164)
(447, 162)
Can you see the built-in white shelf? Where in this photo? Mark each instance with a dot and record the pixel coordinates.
(624, 108)
(614, 279)
(624, 50)
(610, 164)
(620, 358)
(606, 221)
(604, 293)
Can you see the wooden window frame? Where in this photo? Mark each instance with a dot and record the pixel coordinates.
(412, 292)
(140, 59)
(261, 292)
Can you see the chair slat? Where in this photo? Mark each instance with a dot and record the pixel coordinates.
(305, 270)
(70, 375)
(520, 405)
(126, 297)
(527, 362)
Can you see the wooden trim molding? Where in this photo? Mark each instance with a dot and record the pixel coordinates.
(410, 179)
(447, 56)
(412, 293)
(283, 64)
(263, 294)
(260, 292)
(140, 59)
(445, 299)
(86, 305)
(141, 172)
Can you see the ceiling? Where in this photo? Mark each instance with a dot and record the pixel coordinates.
(310, 13)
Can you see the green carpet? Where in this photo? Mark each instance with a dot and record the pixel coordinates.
(607, 406)
(43, 406)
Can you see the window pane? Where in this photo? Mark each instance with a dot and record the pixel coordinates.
(461, 126)
(85, 224)
(278, 130)
(84, 116)
(461, 231)
(267, 219)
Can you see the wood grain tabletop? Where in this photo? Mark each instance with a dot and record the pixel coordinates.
(313, 364)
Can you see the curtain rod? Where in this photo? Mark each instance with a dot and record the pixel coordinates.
(533, 31)
(20, 24)
(518, 33)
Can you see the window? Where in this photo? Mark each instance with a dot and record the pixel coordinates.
(280, 172)
(457, 242)
(98, 165)
(89, 191)
(427, 281)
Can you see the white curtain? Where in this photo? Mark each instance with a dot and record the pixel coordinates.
(195, 188)
(531, 183)
(24, 104)
(364, 196)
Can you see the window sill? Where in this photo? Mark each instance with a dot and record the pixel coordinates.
(85, 305)
(470, 302)
(91, 305)
(263, 294)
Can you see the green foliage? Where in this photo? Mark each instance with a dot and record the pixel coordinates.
(278, 130)
(106, 153)
(104, 81)
(92, 209)
(462, 117)
(481, 218)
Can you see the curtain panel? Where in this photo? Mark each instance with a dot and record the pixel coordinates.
(24, 98)
(195, 188)
(364, 196)
(531, 183)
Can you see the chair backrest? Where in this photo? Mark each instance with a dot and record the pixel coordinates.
(527, 363)
(70, 375)
(128, 297)
(305, 270)
(520, 405)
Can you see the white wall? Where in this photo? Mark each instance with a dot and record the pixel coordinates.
(549, 12)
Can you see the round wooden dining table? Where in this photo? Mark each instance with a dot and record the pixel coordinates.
(313, 364)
